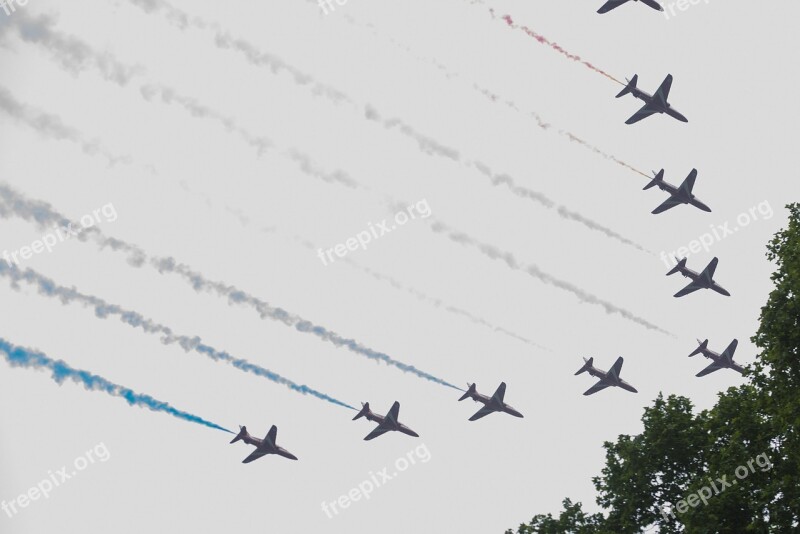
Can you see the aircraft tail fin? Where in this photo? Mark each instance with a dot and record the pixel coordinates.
(364, 411)
(657, 179)
(586, 366)
(681, 265)
(630, 87)
(471, 391)
(241, 435)
(701, 348)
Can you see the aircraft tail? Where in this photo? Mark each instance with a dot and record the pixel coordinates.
(586, 366)
(241, 435)
(681, 265)
(657, 179)
(630, 87)
(364, 411)
(700, 349)
(469, 393)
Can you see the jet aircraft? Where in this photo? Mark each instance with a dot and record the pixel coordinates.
(386, 423)
(704, 280)
(493, 404)
(611, 378)
(719, 361)
(678, 195)
(613, 4)
(263, 447)
(653, 103)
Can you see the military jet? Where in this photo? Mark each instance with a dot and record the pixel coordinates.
(613, 4)
(263, 447)
(653, 103)
(611, 378)
(704, 280)
(719, 361)
(385, 423)
(678, 195)
(493, 404)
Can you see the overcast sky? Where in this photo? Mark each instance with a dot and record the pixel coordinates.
(231, 142)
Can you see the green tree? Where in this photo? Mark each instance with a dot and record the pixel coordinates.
(754, 427)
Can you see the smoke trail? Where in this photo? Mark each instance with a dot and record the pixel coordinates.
(102, 309)
(426, 144)
(543, 40)
(536, 272)
(53, 127)
(20, 357)
(72, 53)
(44, 215)
(426, 298)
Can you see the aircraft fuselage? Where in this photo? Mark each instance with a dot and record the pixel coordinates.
(648, 99)
(705, 281)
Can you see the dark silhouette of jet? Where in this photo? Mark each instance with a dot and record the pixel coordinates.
(677, 195)
(263, 447)
(386, 423)
(609, 379)
(491, 405)
(719, 361)
(653, 104)
(704, 280)
(614, 4)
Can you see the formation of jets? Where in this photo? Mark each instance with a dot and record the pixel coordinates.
(653, 104)
(614, 4)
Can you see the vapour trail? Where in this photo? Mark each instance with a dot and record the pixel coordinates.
(426, 298)
(534, 271)
(425, 144)
(51, 126)
(555, 46)
(13, 203)
(21, 357)
(103, 309)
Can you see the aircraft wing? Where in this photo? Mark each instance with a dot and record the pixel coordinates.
(728, 353)
(662, 93)
(272, 435)
(600, 386)
(688, 184)
(710, 269)
(710, 369)
(670, 203)
(652, 3)
(691, 288)
(379, 431)
(611, 4)
(483, 412)
(394, 412)
(500, 393)
(255, 455)
(616, 369)
(643, 113)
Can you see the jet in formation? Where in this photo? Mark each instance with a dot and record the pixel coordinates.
(611, 378)
(491, 404)
(263, 447)
(719, 361)
(614, 4)
(704, 280)
(677, 195)
(656, 103)
(386, 423)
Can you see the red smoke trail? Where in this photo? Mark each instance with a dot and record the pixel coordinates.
(542, 39)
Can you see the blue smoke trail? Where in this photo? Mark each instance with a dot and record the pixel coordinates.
(103, 309)
(20, 357)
